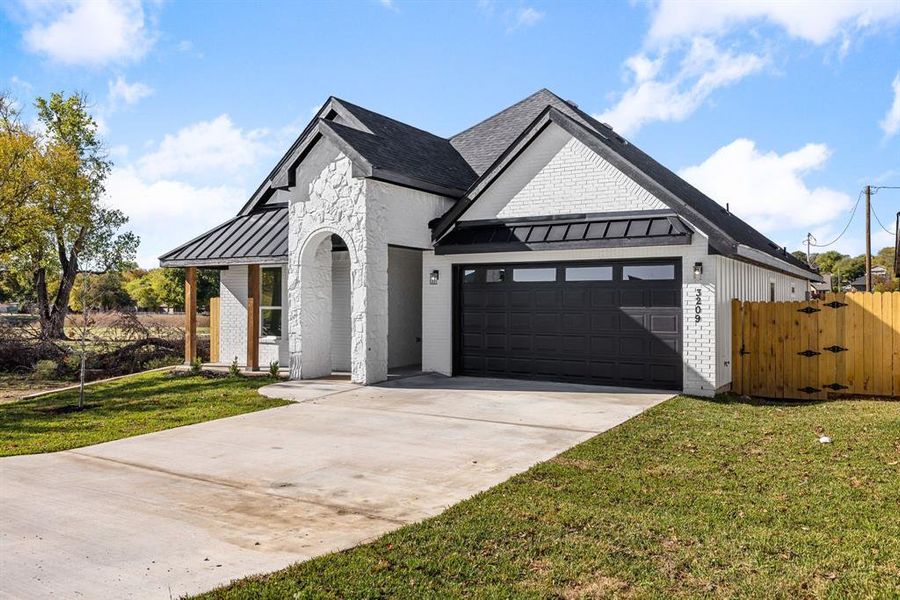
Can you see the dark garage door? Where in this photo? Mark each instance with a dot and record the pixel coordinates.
(604, 323)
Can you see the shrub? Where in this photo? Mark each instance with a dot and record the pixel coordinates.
(163, 361)
(273, 368)
(196, 364)
(233, 369)
(45, 369)
(72, 362)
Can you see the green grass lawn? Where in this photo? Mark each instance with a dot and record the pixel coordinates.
(693, 498)
(123, 408)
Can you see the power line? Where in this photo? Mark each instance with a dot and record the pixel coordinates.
(884, 187)
(847, 226)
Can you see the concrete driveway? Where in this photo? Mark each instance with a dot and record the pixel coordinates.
(184, 510)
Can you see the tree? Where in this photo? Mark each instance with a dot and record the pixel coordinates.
(885, 258)
(165, 287)
(799, 255)
(23, 179)
(105, 291)
(74, 232)
(826, 260)
(848, 269)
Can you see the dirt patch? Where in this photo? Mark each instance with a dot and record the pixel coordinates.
(600, 586)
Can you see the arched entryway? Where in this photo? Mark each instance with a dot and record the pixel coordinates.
(323, 341)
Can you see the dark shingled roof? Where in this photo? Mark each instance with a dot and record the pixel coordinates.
(259, 237)
(483, 143)
(406, 150)
(410, 153)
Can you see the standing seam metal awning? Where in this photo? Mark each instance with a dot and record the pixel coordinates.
(260, 237)
(553, 234)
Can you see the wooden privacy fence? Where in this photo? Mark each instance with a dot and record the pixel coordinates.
(842, 344)
(214, 330)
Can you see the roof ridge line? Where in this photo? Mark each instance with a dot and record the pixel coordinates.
(502, 110)
(404, 123)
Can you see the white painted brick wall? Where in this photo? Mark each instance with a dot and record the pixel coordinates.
(233, 318)
(233, 314)
(559, 175)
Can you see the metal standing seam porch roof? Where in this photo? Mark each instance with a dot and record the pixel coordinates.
(260, 237)
(582, 231)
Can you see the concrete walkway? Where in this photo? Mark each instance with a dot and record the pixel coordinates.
(184, 510)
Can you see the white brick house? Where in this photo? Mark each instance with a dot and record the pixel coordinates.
(536, 244)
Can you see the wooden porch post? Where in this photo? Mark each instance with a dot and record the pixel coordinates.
(190, 314)
(253, 317)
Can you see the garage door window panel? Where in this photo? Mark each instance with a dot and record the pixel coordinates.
(662, 272)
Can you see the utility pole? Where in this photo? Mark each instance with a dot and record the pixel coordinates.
(809, 238)
(868, 238)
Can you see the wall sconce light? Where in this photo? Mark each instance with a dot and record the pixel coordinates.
(433, 278)
(698, 270)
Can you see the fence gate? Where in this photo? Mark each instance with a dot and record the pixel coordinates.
(842, 344)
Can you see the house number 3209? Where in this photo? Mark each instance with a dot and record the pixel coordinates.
(698, 306)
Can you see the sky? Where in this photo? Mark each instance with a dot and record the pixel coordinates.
(785, 111)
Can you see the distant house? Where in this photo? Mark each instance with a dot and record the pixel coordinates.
(879, 275)
(821, 287)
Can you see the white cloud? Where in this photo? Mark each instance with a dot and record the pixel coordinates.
(88, 32)
(526, 17)
(767, 189)
(128, 93)
(388, 4)
(166, 212)
(703, 69)
(815, 21)
(891, 122)
(205, 148)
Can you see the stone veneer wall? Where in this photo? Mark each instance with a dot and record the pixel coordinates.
(335, 203)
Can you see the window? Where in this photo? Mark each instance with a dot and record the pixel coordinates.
(528, 275)
(270, 302)
(495, 275)
(589, 273)
(470, 275)
(771, 291)
(648, 272)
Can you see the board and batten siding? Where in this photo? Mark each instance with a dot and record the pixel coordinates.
(737, 280)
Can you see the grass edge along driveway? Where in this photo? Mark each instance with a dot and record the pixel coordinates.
(695, 497)
(130, 406)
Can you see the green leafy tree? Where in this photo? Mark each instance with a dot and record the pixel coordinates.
(105, 291)
(24, 177)
(849, 268)
(799, 255)
(826, 260)
(885, 258)
(165, 287)
(72, 231)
